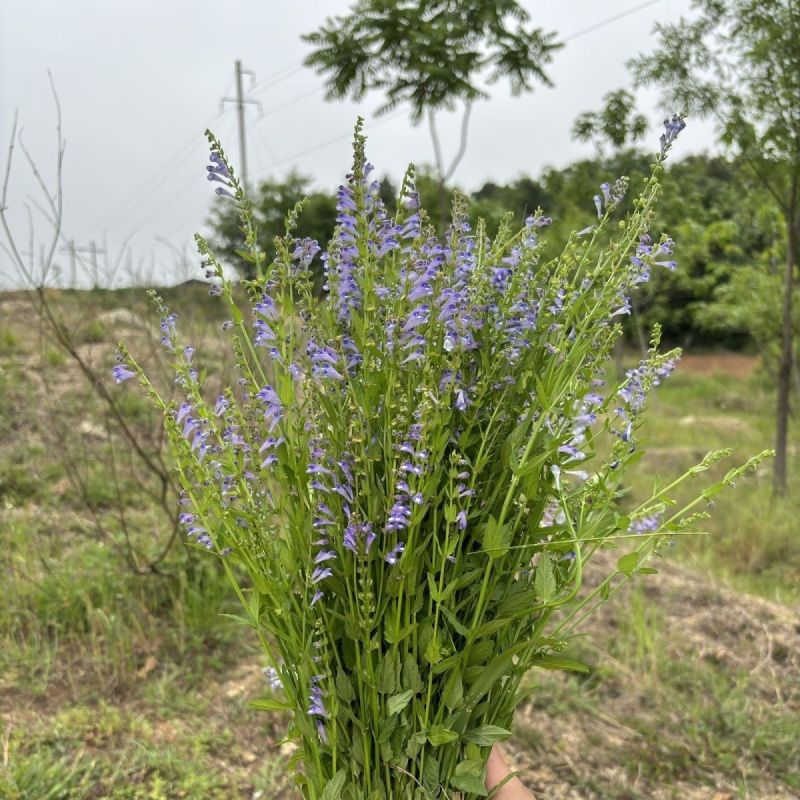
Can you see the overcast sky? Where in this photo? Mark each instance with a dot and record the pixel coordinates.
(139, 81)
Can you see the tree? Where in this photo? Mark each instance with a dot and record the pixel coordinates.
(616, 123)
(431, 54)
(738, 62)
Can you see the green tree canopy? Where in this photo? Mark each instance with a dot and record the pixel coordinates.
(430, 54)
(738, 62)
(617, 123)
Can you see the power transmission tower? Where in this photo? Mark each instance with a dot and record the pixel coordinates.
(241, 102)
(93, 250)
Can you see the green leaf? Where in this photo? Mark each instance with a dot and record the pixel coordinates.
(486, 735)
(430, 772)
(387, 678)
(344, 688)
(454, 621)
(333, 788)
(397, 702)
(270, 704)
(433, 652)
(433, 588)
(496, 539)
(439, 735)
(556, 662)
(544, 583)
(468, 777)
(491, 674)
(628, 563)
(453, 696)
(411, 677)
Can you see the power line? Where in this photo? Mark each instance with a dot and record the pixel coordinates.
(326, 143)
(156, 209)
(268, 82)
(603, 23)
(294, 101)
(178, 157)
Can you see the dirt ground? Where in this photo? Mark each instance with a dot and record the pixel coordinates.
(738, 365)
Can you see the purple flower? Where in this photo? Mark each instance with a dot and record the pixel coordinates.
(122, 373)
(393, 556)
(672, 127)
(461, 400)
(320, 573)
(461, 519)
(317, 706)
(221, 406)
(327, 372)
(648, 524)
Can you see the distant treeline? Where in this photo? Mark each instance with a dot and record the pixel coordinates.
(724, 229)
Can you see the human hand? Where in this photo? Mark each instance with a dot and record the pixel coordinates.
(496, 771)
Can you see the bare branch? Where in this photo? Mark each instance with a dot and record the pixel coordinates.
(462, 147)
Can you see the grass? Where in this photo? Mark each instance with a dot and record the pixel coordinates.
(122, 685)
(668, 717)
(752, 541)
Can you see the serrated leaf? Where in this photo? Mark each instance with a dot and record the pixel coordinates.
(344, 688)
(486, 735)
(439, 735)
(459, 627)
(397, 702)
(411, 677)
(496, 539)
(470, 783)
(387, 729)
(430, 771)
(628, 563)
(544, 584)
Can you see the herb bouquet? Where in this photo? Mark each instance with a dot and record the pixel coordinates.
(407, 472)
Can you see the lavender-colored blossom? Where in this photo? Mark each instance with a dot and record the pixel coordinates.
(317, 705)
(648, 524)
(461, 520)
(672, 127)
(221, 406)
(327, 373)
(320, 573)
(122, 373)
(393, 556)
(271, 674)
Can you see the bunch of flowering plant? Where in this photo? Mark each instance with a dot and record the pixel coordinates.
(408, 471)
